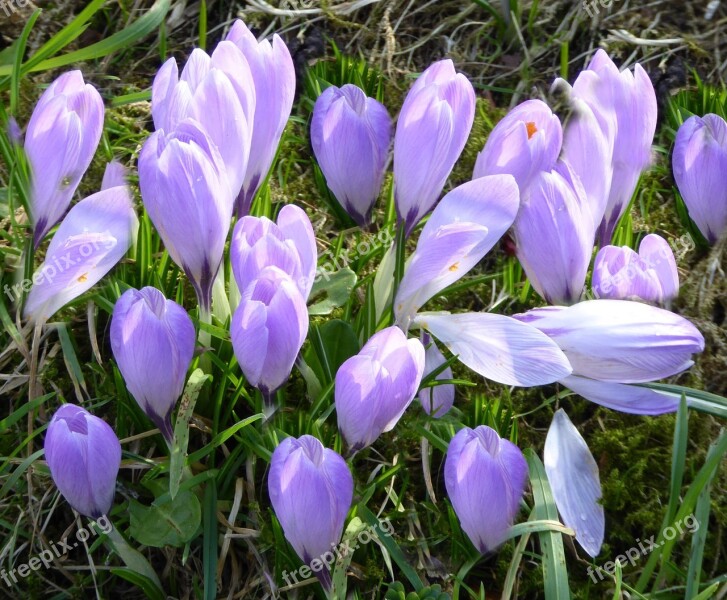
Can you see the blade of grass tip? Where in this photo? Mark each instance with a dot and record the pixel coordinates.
(555, 572)
(709, 592)
(678, 457)
(209, 526)
(699, 539)
(16, 75)
(685, 511)
(203, 24)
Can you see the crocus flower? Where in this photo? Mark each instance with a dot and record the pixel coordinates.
(62, 136)
(84, 456)
(611, 343)
(94, 236)
(436, 401)
(350, 135)
(289, 244)
(625, 105)
(375, 387)
(152, 339)
(485, 479)
(573, 477)
(651, 275)
(268, 329)
(218, 93)
(464, 226)
(700, 172)
(311, 489)
(273, 76)
(526, 141)
(192, 220)
(431, 132)
(554, 235)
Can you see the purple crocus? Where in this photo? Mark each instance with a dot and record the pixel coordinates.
(651, 275)
(152, 339)
(350, 135)
(431, 132)
(218, 93)
(375, 387)
(554, 235)
(526, 141)
(573, 477)
(436, 401)
(311, 489)
(700, 172)
(187, 195)
(485, 478)
(624, 103)
(268, 329)
(83, 455)
(273, 77)
(62, 137)
(289, 244)
(94, 236)
(464, 227)
(614, 343)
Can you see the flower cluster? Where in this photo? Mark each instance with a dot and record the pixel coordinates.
(561, 188)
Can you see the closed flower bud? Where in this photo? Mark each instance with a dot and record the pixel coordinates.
(485, 479)
(350, 135)
(651, 275)
(289, 244)
(700, 172)
(83, 455)
(217, 92)
(311, 489)
(273, 76)
(375, 387)
(192, 220)
(268, 329)
(431, 132)
(62, 137)
(152, 339)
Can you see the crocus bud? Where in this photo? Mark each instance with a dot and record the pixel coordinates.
(83, 455)
(573, 477)
(436, 401)
(700, 172)
(625, 105)
(268, 329)
(94, 236)
(651, 275)
(289, 244)
(62, 137)
(350, 134)
(192, 220)
(554, 235)
(218, 93)
(431, 132)
(610, 343)
(152, 339)
(526, 141)
(375, 387)
(311, 489)
(273, 76)
(485, 479)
